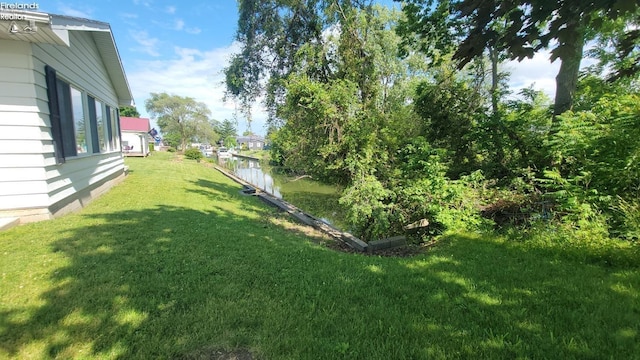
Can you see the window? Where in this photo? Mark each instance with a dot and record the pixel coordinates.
(102, 129)
(80, 123)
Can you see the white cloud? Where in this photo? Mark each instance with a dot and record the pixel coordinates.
(147, 44)
(170, 10)
(538, 71)
(179, 24)
(193, 73)
(145, 3)
(129, 16)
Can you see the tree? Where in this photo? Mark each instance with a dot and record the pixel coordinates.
(129, 111)
(533, 25)
(227, 129)
(183, 116)
(271, 33)
(275, 34)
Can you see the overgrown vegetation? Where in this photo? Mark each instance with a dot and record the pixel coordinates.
(190, 268)
(411, 114)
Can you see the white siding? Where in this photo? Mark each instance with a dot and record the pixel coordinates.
(138, 140)
(29, 176)
(24, 132)
(82, 66)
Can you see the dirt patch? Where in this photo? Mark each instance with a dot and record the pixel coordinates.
(217, 354)
(283, 220)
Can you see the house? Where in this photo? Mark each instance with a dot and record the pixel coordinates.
(251, 142)
(135, 136)
(61, 83)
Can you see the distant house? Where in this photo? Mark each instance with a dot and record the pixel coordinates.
(252, 142)
(61, 83)
(135, 136)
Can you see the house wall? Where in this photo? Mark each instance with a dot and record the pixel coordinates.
(138, 140)
(32, 185)
(25, 138)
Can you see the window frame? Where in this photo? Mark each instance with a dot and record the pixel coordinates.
(63, 122)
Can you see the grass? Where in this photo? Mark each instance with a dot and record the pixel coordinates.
(176, 263)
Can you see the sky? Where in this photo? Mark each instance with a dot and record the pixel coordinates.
(182, 48)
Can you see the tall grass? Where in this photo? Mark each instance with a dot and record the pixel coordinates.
(176, 263)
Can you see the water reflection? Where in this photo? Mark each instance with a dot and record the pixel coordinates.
(320, 200)
(250, 171)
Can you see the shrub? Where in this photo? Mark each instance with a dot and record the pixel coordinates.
(193, 154)
(377, 209)
(171, 149)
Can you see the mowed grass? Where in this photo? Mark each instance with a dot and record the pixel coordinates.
(176, 263)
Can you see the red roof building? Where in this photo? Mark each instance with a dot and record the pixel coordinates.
(134, 124)
(135, 136)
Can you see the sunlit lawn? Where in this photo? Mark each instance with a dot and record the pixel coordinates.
(176, 263)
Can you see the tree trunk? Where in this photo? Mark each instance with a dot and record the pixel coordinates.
(495, 82)
(567, 78)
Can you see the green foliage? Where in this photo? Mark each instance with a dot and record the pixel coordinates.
(226, 130)
(419, 190)
(129, 111)
(316, 136)
(171, 149)
(230, 141)
(181, 116)
(409, 141)
(628, 215)
(193, 154)
(526, 27)
(451, 111)
(152, 147)
(597, 154)
(171, 139)
(368, 204)
(423, 190)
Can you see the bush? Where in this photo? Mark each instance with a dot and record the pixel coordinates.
(420, 190)
(193, 154)
(171, 149)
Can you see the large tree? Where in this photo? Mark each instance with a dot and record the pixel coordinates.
(532, 25)
(281, 38)
(179, 115)
(271, 33)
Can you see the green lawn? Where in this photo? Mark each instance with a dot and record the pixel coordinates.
(176, 263)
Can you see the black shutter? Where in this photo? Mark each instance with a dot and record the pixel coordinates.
(54, 113)
(66, 118)
(93, 120)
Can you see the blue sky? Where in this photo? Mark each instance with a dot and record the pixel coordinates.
(182, 47)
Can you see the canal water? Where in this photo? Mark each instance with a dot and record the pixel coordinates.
(314, 197)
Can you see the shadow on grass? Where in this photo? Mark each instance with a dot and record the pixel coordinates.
(164, 281)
